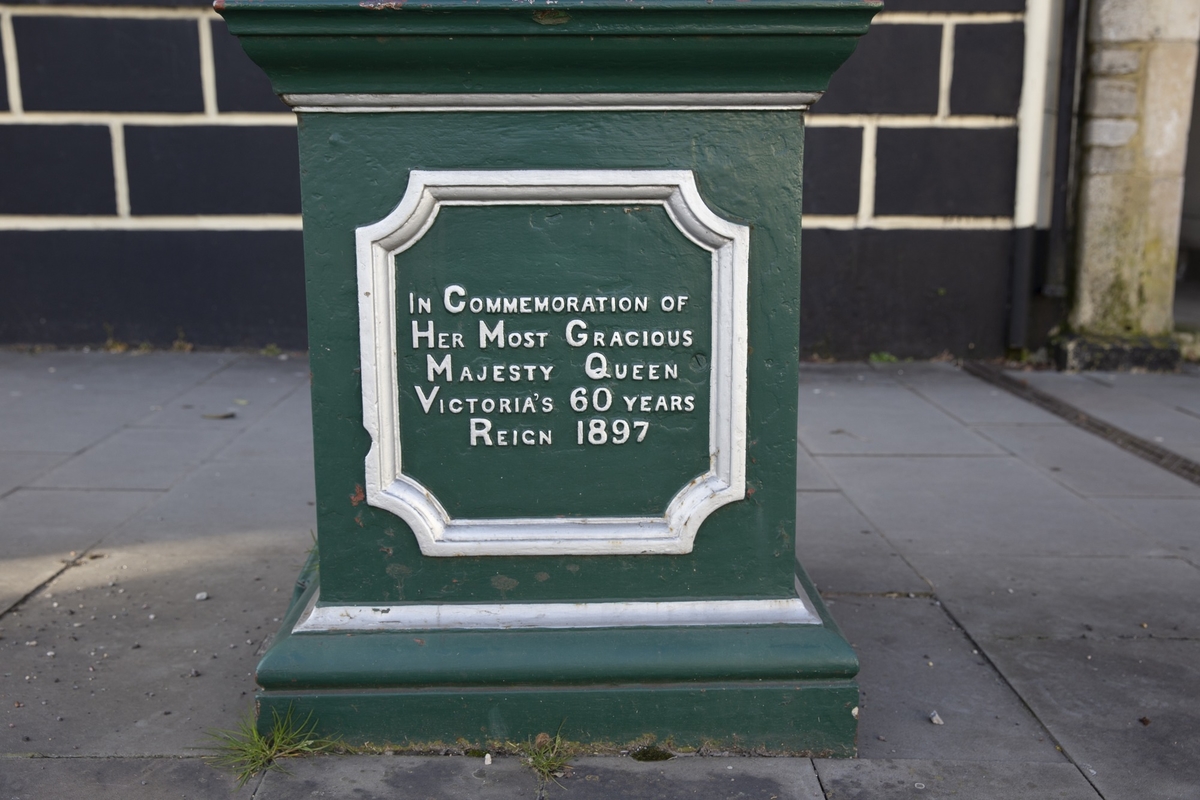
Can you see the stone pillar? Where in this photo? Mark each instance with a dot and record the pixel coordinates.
(1140, 74)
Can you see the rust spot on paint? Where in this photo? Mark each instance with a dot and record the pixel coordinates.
(551, 16)
(219, 4)
(420, 642)
(358, 495)
(504, 583)
(358, 519)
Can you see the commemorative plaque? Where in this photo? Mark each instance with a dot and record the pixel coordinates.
(553, 278)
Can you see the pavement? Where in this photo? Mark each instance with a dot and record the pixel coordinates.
(1033, 584)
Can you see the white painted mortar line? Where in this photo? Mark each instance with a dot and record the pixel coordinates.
(946, 70)
(12, 75)
(832, 222)
(231, 222)
(116, 133)
(208, 69)
(161, 119)
(866, 176)
(895, 223)
(907, 121)
(846, 222)
(942, 17)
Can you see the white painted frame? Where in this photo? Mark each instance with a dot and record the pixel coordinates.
(316, 618)
(440, 535)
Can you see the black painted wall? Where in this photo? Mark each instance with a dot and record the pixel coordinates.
(911, 290)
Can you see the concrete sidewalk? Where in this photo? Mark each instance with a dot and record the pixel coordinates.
(1033, 584)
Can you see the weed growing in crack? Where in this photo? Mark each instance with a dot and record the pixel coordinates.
(546, 756)
(246, 752)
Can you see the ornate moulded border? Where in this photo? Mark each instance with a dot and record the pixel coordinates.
(439, 534)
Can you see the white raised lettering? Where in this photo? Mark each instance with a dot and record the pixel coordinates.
(480, 429)
(418, 334)
(435, 368)
(454, 290)
(574, 339)
(427, 402)
(487, 334)
(596, 366)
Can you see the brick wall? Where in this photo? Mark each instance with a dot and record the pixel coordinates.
(910, 175)
(150, 183)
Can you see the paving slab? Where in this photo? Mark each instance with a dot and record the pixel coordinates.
(138, 458)
(1164, 409)
(967, 398)
(1160, 389)
(914, 661)
(1125, 710)
(64, 402)
(1050, 596)
(1173, 523)
(219, 498)
(116, 779)
(848, 373)
(854, 419)
(810, 477)
(283, 432)
(1088, 464)
(156, 374)
(19, 468)
(247, 389)
(891, 779)
(601, 778)
(979, 506)
(842, 552)
(42, 529)
(117, 657)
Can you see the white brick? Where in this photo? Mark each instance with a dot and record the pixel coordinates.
(1115, 61)
(1108, 160)
(1144, 20)
(1112, 97)
(1109, 132)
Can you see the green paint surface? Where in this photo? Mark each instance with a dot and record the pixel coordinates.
(545, 46)
(534, 453)
(813, 719)
(783, 688)
(747, 165)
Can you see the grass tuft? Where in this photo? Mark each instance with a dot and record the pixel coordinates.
(246, 752)
(547, 756)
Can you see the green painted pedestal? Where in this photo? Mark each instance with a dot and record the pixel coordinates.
(552, 254)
